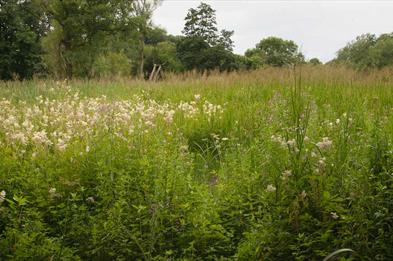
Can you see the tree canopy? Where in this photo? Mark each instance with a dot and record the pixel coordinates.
(275, 51)
(204, 47)
(22, 25)
(90, 38)
(367, 51)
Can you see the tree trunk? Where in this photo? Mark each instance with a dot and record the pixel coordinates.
(142, 55)
(64, 49)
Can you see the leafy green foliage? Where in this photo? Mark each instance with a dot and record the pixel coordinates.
(164, 53)
(283, 173)
(201, 23)
(195, 53)
(367, 51)
(275, 51)
(112, 64)
(314, 61)
(203, 48)
(357, 53)
(22, 25)
(82, 30)
(89, 38)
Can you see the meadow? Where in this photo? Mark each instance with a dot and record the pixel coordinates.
(273, 164)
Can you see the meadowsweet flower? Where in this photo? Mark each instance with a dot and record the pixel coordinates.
(325, 143)
(279, 140)
(62, 122)
(19, 137)
(291, 143)
(286, 174)
(61, 145)
(40, 137)
(169, 116)
(2, 196)
(183, 148)
(321, 162)
(270, 188)
(197, 96)
(334, 215)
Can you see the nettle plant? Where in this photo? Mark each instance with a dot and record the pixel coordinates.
(309, 187)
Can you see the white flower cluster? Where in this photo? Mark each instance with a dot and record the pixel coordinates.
(192, 109)
(270, 188)
(280, 140)
(324, 144)
(58, 123)
(286, 174)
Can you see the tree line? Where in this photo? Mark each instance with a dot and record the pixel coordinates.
(99, 38)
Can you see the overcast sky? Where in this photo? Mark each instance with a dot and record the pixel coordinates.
(320, 28)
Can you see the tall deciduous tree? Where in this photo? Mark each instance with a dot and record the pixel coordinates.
(22, 25)
(367, 51)
(201, 22)
(314, 61)
(275, 51)
(82, 29)
(382, 52)
(204, 47)
(357, 52)
(143, 11)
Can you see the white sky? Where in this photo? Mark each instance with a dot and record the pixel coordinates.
(320, 28)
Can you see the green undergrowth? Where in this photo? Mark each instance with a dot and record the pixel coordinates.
(285, 172)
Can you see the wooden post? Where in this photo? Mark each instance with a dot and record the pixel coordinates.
(157, 73)
(152, 73)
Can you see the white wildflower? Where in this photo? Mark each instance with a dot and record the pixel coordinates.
(61, 145)
(291, 143)
(40, 137)
(286, 174)
(325, 143)
(321, 162)
(2, 196)
(279, 140)
(270, 188)
(183, 148)
(334, 215)
(169, 116)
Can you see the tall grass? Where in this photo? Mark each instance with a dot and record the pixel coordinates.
(262, 165)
